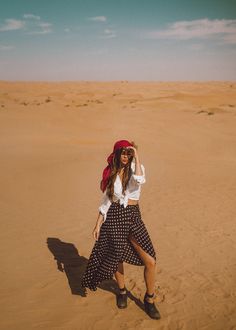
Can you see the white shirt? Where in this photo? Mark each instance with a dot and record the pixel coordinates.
(132, 191)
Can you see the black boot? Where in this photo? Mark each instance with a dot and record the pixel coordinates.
(150, 308)
(121, 298)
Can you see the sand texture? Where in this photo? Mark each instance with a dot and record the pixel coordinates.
(54, 141)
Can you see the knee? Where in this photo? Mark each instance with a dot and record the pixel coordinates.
(150, 263)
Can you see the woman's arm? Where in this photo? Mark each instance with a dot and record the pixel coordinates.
(96, 229)
(100, 219)
(104, 206)
(139, 172)
(138, 169)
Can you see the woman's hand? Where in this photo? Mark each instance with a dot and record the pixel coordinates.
(96, 232)
(135, 153)
(138, 170)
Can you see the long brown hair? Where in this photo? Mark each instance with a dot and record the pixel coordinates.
(114, 172)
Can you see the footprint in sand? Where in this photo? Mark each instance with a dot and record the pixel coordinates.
(174, 296)
(135, 289)
(207, 112)
(173, 293)
(82, 105)
(131, 284)
(159, 295)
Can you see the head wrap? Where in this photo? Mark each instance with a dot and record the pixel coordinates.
(107, 170)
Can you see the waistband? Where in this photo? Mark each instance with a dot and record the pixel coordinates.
(131, 202)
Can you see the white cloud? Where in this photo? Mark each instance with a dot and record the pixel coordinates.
(31, 16)
(203, 29)
(32, 25)
(45, 28)
(108, 31)
(6, 47)
(108, 34)
(40, 27)
(44, 25)
(98, 18)
(39, 32)
(12, 24)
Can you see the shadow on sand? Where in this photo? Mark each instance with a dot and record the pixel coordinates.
(73, 265)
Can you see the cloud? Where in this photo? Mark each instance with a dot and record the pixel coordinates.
(12, 24)
(108, 31)
(39, 27)
(6, 47)
(98, 18)
(45, 28)
(223, 29)
(31, 16)
(109, 34)
(32, 25)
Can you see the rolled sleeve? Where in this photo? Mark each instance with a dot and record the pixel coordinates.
(104, 206)
(140, 179)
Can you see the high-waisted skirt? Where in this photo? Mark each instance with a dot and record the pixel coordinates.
(113, 245)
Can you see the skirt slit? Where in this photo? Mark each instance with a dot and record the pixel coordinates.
(113, 244)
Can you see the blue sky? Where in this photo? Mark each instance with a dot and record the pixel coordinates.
(118, 40)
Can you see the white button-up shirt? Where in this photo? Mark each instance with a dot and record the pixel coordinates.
(132, 191)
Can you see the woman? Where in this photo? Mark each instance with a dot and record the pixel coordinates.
(119, 232)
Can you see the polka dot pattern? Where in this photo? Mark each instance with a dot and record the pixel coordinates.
(113, 244)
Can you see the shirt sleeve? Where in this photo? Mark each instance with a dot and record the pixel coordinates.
(104, 206)
(140, 179)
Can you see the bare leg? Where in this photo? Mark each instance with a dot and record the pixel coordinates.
(149, 269)
(119, 275)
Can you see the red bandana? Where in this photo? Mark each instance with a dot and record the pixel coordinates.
(107, 170)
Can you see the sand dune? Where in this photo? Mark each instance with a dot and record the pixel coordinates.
(55, 138)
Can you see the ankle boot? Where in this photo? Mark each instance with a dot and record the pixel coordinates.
(121, 298)
(150, 308)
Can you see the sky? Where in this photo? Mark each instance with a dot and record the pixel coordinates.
(108, 40)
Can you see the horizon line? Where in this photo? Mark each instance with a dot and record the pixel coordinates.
(118, 80)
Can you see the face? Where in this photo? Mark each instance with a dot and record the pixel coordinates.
(125, 156)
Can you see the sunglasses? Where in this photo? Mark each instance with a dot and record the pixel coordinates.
(127, 152)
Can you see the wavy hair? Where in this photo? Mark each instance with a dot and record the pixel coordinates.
(116, 164)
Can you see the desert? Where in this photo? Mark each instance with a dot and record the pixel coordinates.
(55, 138)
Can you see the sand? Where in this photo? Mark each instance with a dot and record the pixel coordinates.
(55, 138)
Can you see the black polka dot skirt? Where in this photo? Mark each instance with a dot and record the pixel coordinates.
(113, 245)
